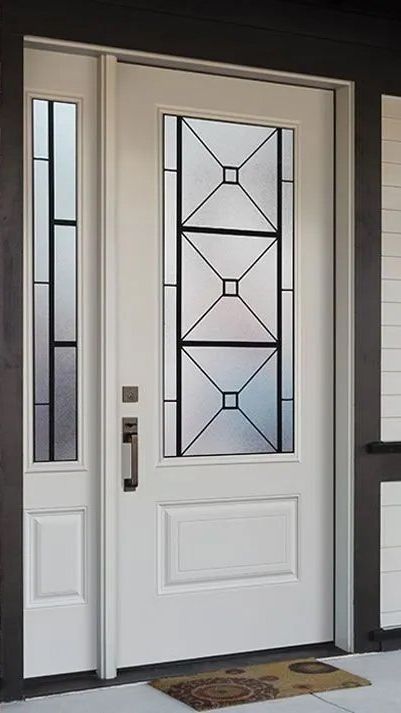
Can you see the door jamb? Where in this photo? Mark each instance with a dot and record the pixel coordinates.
(343, 326)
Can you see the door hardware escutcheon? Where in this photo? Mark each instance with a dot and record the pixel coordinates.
(130, 394)
(130, 436)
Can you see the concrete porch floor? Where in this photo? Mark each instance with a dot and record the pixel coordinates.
(383, 696)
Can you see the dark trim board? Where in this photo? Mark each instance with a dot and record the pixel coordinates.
(11, 156)
(384, 447)
(386, 634)
(274, 35)
(49, 685)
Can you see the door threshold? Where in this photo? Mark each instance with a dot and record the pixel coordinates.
(86, 680)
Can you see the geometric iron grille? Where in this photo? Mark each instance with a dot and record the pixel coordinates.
(228, 288)
(55, 328)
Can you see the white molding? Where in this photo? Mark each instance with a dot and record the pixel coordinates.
(109, 432)
(344, 368)
(166, 61)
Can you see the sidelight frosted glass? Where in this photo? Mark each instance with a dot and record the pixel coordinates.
(41, 220)
(40, 112)
(41, 433)
(65, 283)
(228, 288)
(65, 403)
(64, 161)
(41, 343)
(54, 197)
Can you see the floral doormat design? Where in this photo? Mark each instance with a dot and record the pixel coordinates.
(263, 682)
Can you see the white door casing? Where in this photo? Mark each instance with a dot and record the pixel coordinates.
(226, 553)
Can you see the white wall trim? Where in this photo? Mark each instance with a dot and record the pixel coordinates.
(344, 368)
(187, 64)
(109, 431)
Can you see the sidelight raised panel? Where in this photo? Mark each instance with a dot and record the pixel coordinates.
(227, 543)
(55, 557)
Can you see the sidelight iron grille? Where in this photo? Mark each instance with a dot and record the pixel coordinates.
(54, 159)
(228, 288)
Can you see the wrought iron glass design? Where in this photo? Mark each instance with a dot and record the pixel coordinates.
(228, 288)
(54, 161)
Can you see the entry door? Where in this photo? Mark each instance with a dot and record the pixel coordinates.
(225, 281)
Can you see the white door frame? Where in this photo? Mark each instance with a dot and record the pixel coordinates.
(343, 326)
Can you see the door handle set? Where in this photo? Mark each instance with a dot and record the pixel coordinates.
(130, 436)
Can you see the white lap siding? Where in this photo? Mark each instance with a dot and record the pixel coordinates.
(390, 608)
(391, 271)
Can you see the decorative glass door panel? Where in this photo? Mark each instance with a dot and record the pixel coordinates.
(228, 288)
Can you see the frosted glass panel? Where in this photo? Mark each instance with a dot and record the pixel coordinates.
(41, 433)
(170, 226)
(54, 159)
(65, 160)
(287, 234)
(40, 129)
(288, 157)
(41, 343)
(170, 425)
(228, 288)
(170, 312)
(170, 145)
(41, 220)
(65, 404)
(64, 283)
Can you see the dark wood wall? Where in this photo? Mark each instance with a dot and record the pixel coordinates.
(351, 40)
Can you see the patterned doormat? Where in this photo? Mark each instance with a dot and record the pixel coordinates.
(263, 682)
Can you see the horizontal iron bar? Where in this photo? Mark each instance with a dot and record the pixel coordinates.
(71, 223)
(231, 231)
(58, 344)
(192, 343)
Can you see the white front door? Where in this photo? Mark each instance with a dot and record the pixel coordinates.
(225, 304)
